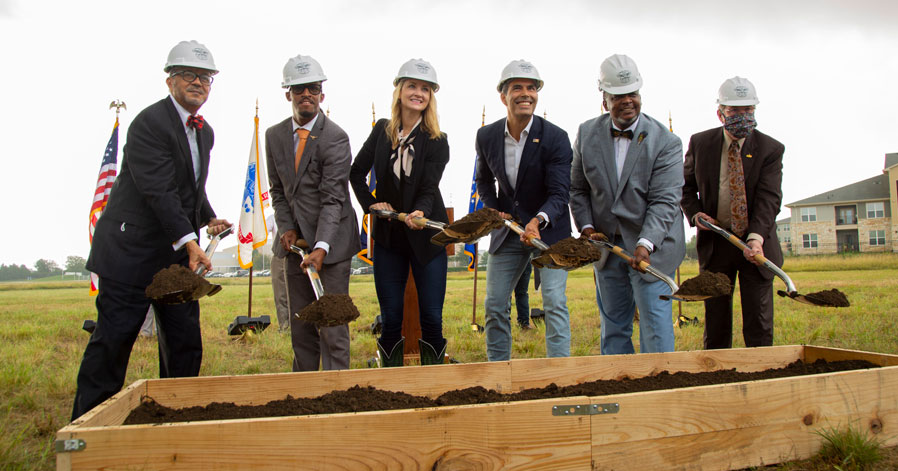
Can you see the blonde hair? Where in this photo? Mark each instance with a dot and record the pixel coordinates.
(430, 124)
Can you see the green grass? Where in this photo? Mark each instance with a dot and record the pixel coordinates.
(41, 341)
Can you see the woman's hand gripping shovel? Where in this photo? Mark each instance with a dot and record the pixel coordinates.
(792, 292)
(201, 287)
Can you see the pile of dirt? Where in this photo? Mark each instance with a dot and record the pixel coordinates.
(172, 279)
(330, 310)
(706, 284)
(479, 216)
(831, 297)
(360, 399)
(570, 252)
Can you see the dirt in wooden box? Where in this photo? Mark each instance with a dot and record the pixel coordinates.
(330, 310)
(360, 399)
(172, 279)
(831, 297)
(706, 284)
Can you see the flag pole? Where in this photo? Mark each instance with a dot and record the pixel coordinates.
(249, 306)
(476, 257)
(679, 303)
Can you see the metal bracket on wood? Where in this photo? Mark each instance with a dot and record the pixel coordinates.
(586, 409)
(63, 446)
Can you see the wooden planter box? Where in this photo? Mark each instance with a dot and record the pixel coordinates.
(718, 427)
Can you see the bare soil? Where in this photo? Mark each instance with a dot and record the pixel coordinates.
(172, 279)
(706, 284)
(330, 310)
(832, 297)
(481, 215)
(359, 399)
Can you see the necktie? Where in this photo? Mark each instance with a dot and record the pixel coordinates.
(303, 136)
(738, 204)
(195, 122)
(627, 134)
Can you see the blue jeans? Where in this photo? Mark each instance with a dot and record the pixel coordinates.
(390, 276)
(619, 292)
(503, 271)
(522, 296)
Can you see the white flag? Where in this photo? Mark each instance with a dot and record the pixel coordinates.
(252, 232)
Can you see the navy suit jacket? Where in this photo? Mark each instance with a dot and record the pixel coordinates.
(543, 182)
(155, 201)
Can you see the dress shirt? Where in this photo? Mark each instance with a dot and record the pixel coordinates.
(514, 149)
(194, 157)
(724, 217)
(308, 127)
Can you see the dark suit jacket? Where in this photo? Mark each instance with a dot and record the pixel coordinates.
(421, 190)
(155, 201)
(762, 162)
(543, 181)
(315, 200)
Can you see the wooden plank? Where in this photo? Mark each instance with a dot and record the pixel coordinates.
(538, 372)
(669, 427)
(813, 354)
(522, 435)
(428, 381)
(112, 411)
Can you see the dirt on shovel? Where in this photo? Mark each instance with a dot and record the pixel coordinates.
(570, 252)
(330, 310)
(706, 284)
(176, 278)
(831, 297)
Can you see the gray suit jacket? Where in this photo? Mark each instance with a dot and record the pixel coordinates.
(315, 200)
(645, 202)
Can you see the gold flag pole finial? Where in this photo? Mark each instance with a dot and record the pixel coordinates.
(373, 116)
(257, 107)
(545, 114)
(118, 105)
(328, 113)
(669, 120)
(483, 117)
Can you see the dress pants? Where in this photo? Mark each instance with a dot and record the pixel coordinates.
(279, 288)
(756, 296)
(313, 346)
(522, 296)
(121, 311)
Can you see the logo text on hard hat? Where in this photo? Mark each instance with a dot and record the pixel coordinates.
(303, 67)
(526, 68)
(201, 53)
(741, 91)
(423, 68)
(624, 76)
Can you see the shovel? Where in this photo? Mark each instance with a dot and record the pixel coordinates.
(205, 289)
(792, 291)
(317, 286)
(419, 221)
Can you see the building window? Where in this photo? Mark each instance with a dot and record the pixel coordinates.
(846, 215)
(878, 237)
(809, 241)
(787, 239)
(808, 214)
(875, 210)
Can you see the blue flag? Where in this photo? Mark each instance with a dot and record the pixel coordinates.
(366, 254)
(473, 205)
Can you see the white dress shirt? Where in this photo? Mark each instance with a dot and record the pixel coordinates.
(308, 127)
(194, 157)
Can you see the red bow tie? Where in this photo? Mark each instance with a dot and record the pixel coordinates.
(195, 122)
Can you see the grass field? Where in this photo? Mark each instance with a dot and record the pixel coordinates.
(41, 341)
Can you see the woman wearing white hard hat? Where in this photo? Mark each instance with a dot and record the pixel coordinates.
(407, 153)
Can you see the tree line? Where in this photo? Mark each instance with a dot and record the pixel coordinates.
(42, 269)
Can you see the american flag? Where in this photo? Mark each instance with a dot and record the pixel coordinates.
(101, 194)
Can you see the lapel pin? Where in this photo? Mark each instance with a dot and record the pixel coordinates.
(640, 138)
(313, 137)
(536, 140)
(747, 156)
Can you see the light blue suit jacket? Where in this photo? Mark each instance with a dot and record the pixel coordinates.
(645, 202)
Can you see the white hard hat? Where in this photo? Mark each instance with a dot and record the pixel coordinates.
(418, 69)
(520, 69)
(302, 69)
(737, 91)
(190, 54)
(618, 75)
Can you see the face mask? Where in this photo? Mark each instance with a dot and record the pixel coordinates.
(740, 125)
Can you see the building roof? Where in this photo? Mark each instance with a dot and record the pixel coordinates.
(784, 220)
(869, 189)
(891, 160)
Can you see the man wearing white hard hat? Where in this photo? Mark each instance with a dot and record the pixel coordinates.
(308, 159)
(155, 211)
(625, 184)
(734, 177)
(523, 171)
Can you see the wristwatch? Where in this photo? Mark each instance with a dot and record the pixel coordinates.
(541, 220)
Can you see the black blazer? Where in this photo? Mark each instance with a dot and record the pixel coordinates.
(421, 190)
(762, 162)
(155, 200)
(543, 182)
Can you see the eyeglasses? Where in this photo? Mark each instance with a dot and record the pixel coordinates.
(189, 77)
(313, 88)
(631, 95)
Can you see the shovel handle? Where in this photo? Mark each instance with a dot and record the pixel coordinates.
(620, 252)
(520, 231)
(759, 258)
(317, 286)
(418, 221)
(213, 244)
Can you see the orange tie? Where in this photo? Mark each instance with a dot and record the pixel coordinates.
(303, 136)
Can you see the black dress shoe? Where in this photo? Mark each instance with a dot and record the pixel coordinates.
(525, 325)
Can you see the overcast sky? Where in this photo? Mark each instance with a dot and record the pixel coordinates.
(825, 73)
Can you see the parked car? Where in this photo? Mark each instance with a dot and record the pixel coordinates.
(263, 273)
